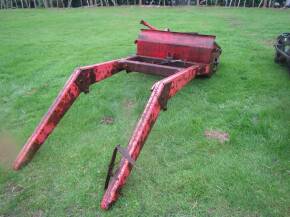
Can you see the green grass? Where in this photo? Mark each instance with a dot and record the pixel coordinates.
(181, 173)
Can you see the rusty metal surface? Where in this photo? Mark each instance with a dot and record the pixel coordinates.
(179, 57)
(149, 68)
(124, 152)
(183, 46)
(144, 126)
(79, 82)
(143, 22)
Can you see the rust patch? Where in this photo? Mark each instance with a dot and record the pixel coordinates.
(107, 120)
(219, 135)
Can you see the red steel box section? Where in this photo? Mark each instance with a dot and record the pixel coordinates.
(187, 47)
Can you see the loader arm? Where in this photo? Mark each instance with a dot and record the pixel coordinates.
(79, 82)
(161, 92)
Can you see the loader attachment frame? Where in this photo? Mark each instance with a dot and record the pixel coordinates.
(179, 57)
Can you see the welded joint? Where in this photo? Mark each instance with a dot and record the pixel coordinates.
(85, 79)
(124, 152)
(126, 67)
(163, 99)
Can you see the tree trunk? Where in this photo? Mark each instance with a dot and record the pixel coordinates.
(253, 3)
(69, 3)
(239, 2)
(140, 2)
(197, 2)
(260, 3)
(270, 3)
(245, 1)
(265, 4)
(16, 4)
(230, 3)
(216, 1)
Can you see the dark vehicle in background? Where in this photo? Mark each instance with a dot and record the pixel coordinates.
(282, 47)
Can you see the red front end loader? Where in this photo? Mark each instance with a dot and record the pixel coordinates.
(178, 57)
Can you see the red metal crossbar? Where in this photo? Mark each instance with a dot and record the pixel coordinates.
(179, 57)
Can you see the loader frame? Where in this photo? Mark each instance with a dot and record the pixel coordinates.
(177, 72)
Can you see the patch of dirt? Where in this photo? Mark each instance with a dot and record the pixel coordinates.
(38, 213)
(255, 120)
(74, 211)
(8, 149)
(269, 42)
(34, 90)
(211, 211)
(12, 189)
(107, 120)
(219, 135)
(128, 104)
(233, 21)
(31, 91)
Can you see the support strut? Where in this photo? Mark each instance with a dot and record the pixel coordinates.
(79, 81)
(161, 92)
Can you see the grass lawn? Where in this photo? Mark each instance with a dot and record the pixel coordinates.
(181, 172)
